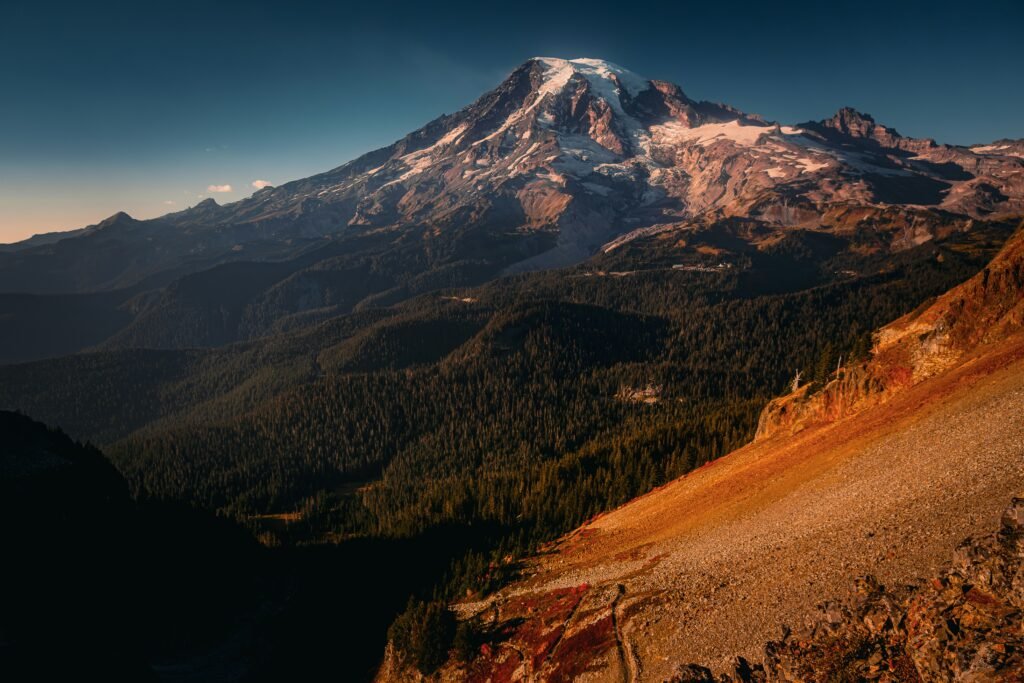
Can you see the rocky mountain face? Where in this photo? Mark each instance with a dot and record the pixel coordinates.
(964, 624)
(565, 161)
(562, 157)
(984, 310)
(583, 148)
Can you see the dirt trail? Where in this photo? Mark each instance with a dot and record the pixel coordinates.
(630, 666)
(721, 559)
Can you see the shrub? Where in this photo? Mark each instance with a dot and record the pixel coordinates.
(422, 635)
(465, 642)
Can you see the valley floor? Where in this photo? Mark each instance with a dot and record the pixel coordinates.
(713, 564)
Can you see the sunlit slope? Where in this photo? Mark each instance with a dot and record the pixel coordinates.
(715, 564)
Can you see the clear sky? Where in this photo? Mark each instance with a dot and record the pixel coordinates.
(144, 107)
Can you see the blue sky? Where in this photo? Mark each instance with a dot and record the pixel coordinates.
(142, 107)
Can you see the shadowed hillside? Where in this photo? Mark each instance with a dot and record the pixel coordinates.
(98, 585)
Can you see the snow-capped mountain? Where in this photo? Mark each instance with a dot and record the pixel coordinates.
(589, 150)
(565, 156)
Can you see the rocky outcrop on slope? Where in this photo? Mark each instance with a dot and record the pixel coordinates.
(712, 565)
(966, 624)
(553, 636)
(985, 309)
(851, 124)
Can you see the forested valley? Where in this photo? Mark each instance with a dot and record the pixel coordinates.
(467, 427)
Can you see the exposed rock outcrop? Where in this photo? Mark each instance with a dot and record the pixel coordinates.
(985, 309)
(850, 123)
(966, 624)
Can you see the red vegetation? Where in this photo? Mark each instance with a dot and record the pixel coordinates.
(578, 651)
(533, 626)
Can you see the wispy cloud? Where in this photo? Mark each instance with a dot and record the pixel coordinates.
(169, 202)
(219, 188)
(260, 184)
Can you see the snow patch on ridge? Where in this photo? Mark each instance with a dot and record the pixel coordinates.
(988, 148)
(594, 69)
(710, 133)
(597, 71)
(420, 160)
(451, 136)
(557, 73)
(580, 155)
(1001, 150)
(607, 81)
(810, 166)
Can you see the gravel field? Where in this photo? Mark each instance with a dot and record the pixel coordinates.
(712, 565)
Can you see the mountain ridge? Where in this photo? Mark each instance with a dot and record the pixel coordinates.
(574, 152)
